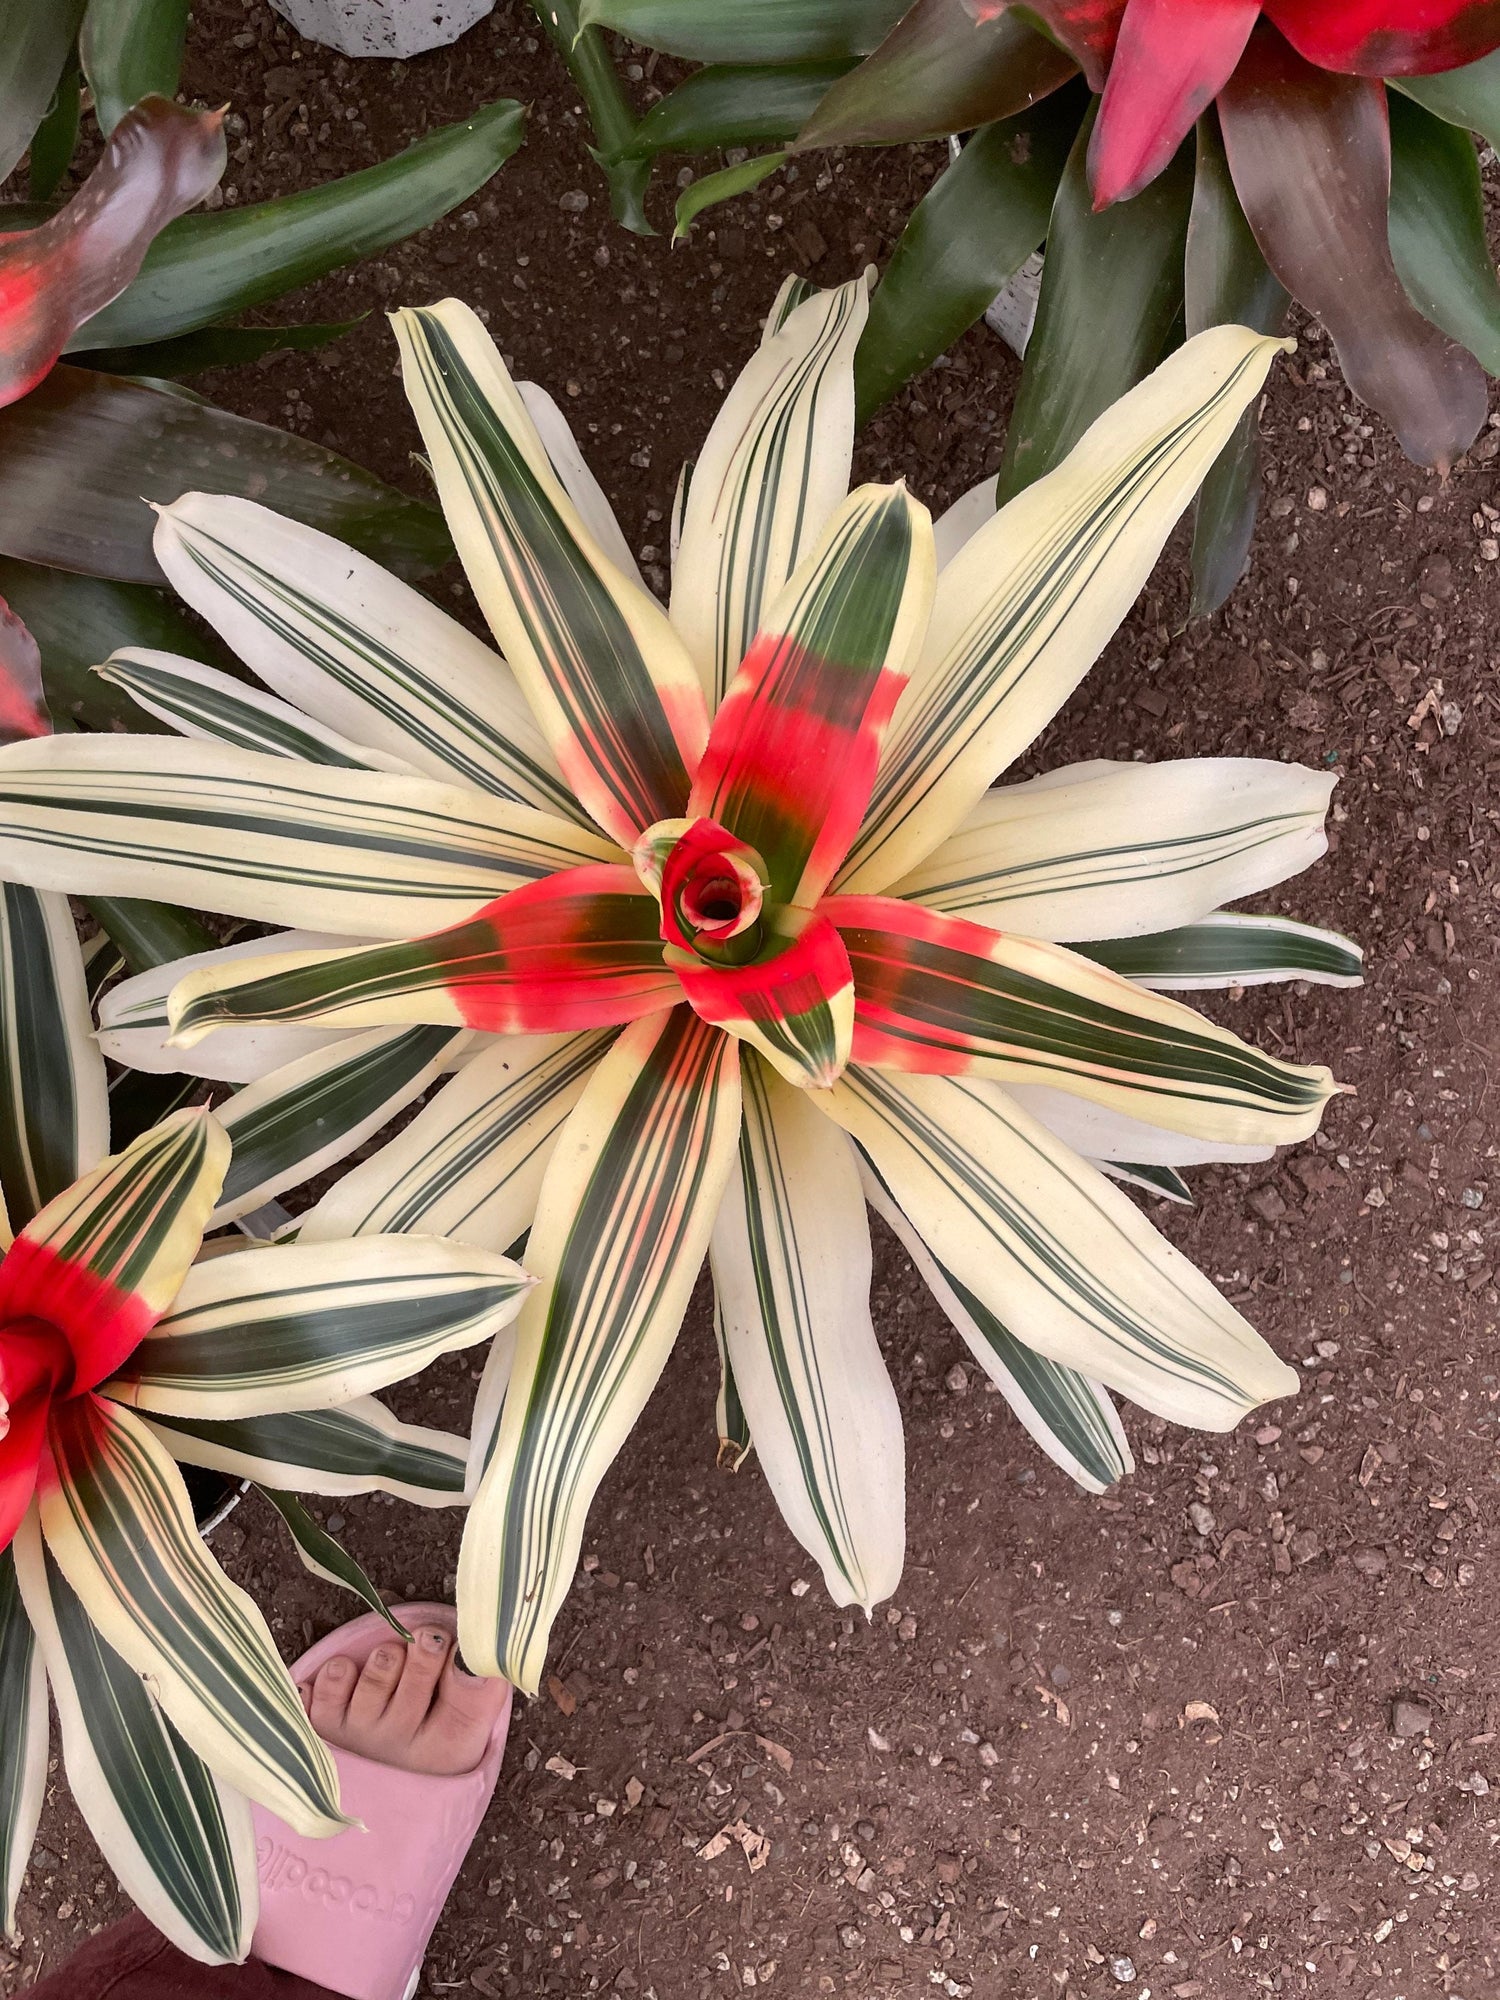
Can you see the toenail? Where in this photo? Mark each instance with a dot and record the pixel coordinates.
(383, 1658)
(339, 1669)
(432, 1642)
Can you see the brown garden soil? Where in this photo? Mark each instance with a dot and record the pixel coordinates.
(1234, 1728)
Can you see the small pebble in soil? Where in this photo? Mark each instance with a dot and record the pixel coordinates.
(1410, 1718)
(1123, 1970)
(956, 1381)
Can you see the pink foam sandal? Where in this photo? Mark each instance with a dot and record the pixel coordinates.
(354, 1912)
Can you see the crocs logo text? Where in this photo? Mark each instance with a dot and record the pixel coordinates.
(282, 1868)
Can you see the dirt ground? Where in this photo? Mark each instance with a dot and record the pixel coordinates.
(1233, 1728)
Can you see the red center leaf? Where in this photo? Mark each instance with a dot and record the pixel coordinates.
(711, 888)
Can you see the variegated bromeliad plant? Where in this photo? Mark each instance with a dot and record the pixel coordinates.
(724, 926)
(120, 1353)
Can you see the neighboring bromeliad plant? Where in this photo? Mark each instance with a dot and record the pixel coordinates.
(1310, 177)
(119, 1355)
(722, 921)
(131, 290)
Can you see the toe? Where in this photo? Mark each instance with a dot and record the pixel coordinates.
(378, 1680)
(457, 1731)
(327, 1698)
(421, 1670)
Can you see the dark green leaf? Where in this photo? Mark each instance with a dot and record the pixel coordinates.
(587, 57)
(750, 31)
(1111, 295)
(728, 105)
(327, 1558)
(82, 455)
(80, 620)
(1438, 239)
(38, 35)
(214, 347)
(138, 1100)
(23, 1738)
(723, 186)
(1469, 97)
(205, 267)
(970, 232)
(131, 49)
(150, 934)
(1227, 284)
(54, 139)
(938, 72)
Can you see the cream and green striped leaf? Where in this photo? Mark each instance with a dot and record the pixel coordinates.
(363, 853)
(1113, 850)
(316, 1324)
(322, 1555)
(1165, 1183)
(54, 1106)
(730, 1421)
(1027, 606)
(577, 478)
(120, 1527)
(1071, 1417)
(135, 1022)
(1052, 1248)
(626, 1209)
(470, 1163)
(315, 1111)
(214, 707)
(133, 1225)
(1104, 1133)
(773, 469)
(178, 1838)
(945, 995)
(23, 1740)
(355, 1447)
(791, 1269)
(356, 649)
(606, 675)
(1227, 949)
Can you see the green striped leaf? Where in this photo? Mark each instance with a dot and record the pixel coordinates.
(356, 1447)
(135, 1023)
(577, 480)
(322, 1555)
(178, 1838)
(730, 1420)
(1109, 1136)
(1164, 1182)
(1069, 1416)
(622, 1225)
(605, 673)
(120, 1527)
(942, 995)
(131, 49)
(470, 1164)
(23, 1740)
(1027, 606)
(1039, 1236)
(791, 1268)
(773, 469)
(305, 1117)
(1230, 950)
(309, 1325)
(54, 1106)
(365, 853)
(1106, 850)
(127, 1231)
(363, 654)
(201, 702)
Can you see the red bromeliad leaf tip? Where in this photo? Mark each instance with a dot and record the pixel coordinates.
(1170, 62)
(161, 160)
(63, 1330)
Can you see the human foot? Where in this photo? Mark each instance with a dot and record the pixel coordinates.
(409, 1706)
